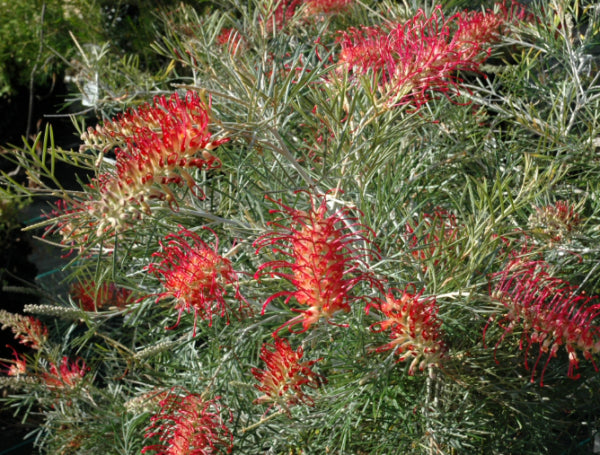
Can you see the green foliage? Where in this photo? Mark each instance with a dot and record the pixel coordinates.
(444, 197)
(33, 32)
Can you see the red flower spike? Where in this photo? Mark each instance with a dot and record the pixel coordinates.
(195, 275)
(423, 55)
(67, 376)
(414, 329)
(549, 313)
(285, 376)
(189, 425)
(323, 258)
(91, 297)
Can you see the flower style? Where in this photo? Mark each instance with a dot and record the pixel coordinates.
(430, 237)
(556, 221)
(17, 367)
(549, 313)
(67, 376)
(28, 330)
(410, 60)
(414, 329)
(189, 425)
(92, 297)
(195, 275)
(324, 259)
(282, 381)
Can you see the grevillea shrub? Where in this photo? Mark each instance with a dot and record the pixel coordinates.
(324, 227)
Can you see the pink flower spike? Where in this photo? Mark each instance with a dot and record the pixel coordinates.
(285, 376)
(195, 276)
(414, 329)
(323, 258)
(189, 425)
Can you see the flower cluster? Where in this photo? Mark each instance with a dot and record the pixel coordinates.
(67, 376)
(92, 297)
(408, 61)
(189, 425)
(284, 377)
(556, 221)
(548, 312)
(194, 275)
(414, 328)
(324, 254)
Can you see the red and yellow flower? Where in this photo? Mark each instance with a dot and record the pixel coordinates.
(325, 258)
(284, 378)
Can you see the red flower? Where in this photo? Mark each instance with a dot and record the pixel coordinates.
(92, 297)
(283, 379)
(18, 366)
(414, 329)
(549, 313)
(195, 275)
(189, 425)
(67, 375)
(156, 146)
(410, 60)
(325, 260)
